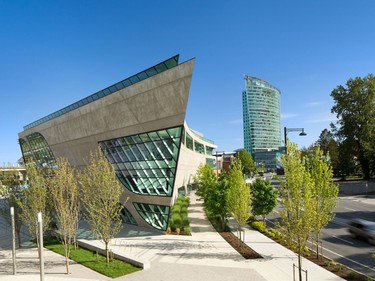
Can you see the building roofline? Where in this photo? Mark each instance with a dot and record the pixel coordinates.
(248, 77)
(149, 72)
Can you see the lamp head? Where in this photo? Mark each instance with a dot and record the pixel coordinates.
(302, 133)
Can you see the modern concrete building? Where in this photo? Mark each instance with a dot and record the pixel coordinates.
(139, 123)
(261, 119)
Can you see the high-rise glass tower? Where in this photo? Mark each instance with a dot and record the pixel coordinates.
(261, 115)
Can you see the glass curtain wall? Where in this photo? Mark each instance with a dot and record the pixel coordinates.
(40, 151)
(146, 163)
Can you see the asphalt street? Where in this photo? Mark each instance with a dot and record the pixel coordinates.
(340, 245)
(337, 243)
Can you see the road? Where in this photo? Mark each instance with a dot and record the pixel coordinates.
(337, 242)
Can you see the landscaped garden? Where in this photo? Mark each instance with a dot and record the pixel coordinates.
(332, 266)
(179, 222)
(115, 268)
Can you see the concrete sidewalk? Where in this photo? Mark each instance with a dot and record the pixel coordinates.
(203, 256)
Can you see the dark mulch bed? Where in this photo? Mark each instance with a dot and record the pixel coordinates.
(337, 269)
(240, 246)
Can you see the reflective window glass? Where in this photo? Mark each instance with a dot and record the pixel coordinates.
(189, 141)
(41, 152)
(147, 161)
(199, 147)
(127, 216)
(153, 136)
(154, 215)
(209, 150)
(134, 79)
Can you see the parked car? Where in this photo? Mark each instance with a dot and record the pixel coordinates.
(362, 229)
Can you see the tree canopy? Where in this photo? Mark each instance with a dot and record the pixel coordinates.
(100, 195)
(246, 160)
(238, 196)
(296, 194)
(65, 197)
(324, 192)
(264, 198)
(354, 107)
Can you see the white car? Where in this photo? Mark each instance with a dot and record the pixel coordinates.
(362, 229)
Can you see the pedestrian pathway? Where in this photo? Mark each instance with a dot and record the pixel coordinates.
(203, 256)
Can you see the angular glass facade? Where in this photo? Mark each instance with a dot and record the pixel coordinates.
(155, 215)
(37, 149)
(26, 151)
(127, 217)
(261, 115)
(146, 163)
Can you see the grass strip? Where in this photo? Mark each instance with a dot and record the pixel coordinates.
(114, 269)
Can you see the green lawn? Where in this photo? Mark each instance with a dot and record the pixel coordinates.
(114, 269)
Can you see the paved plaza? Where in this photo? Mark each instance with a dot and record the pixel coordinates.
(203, 256)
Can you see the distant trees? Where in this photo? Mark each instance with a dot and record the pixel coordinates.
(100, 194)
(247, 162)
(355, 129)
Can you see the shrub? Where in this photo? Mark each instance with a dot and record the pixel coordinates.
(258, 225)
(187, 230)
(185, 221)
(369, 279)
(329, 263)
(171, 225)
(176, 208)
(352, 275)
(183, 210)
(176, 218)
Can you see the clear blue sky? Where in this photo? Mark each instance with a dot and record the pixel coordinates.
(53, 53)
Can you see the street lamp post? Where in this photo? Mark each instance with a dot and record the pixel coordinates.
(287, 130)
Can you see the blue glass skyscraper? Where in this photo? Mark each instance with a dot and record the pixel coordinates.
(261, 116)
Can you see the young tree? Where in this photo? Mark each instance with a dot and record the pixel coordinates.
(238, 197)
(355, 109)
(324, 193)
(296, 193)
(206, 180)
(264, 198)
(216, 199)
(101, 193)
(246, 161)
(34, 199)
(65, 196)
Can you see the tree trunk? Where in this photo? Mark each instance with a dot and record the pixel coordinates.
(38, 245)
(300, 267)
(106, 251)
(317, 245)
(18, 232)
(66, 248)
